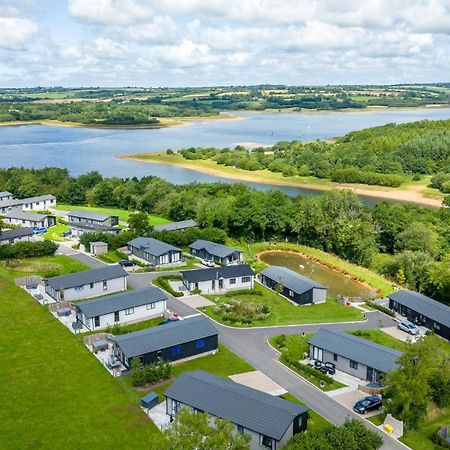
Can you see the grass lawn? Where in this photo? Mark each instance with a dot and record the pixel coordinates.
(123, 214)
(358, 273)
(283, 312)
(128, 328)
(53, 389)
(113, 256)
(380, 337)
(292, 348)
(420, 439)
(55, 233)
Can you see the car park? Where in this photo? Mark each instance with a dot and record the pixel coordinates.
(409, 327)
(367, 404)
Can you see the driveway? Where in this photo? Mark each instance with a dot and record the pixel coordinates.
(349, 398)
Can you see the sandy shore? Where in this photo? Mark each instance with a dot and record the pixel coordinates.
(410, 194)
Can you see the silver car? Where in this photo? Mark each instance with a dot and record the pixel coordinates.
(409, 327)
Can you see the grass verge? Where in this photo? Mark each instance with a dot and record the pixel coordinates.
(292, 349)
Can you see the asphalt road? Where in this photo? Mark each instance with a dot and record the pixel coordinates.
(251, 345)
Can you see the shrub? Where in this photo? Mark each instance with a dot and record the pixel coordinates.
(150, 373)
(28, 249)
(243, 292)
(242, 311)
(381, 308)
(163, 283)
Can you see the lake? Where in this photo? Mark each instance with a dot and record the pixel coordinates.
(85, 149)
(337, 283)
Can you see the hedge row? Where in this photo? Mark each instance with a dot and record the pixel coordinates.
(27, 249)
(381, 308)
(163, 283)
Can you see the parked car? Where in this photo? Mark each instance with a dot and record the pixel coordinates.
(207, 263)
(367, 404)
(39, 230)
(328, 368)
(126, 263)
(409, 327)
(67, 234)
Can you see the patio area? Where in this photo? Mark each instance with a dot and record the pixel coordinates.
(197, 301)
(102, 349)
(257, 380)
(158, 416)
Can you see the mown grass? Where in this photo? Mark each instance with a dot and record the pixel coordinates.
(293, 348)
(380, 337)
(123, 214)
(358, 273)
(55, 233)
(53, 391)
(283, 312)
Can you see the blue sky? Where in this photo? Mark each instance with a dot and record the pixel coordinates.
(223, 42)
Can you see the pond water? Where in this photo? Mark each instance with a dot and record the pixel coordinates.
(84, 149)
(337, 283)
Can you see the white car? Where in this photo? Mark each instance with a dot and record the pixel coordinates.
(207, 263)
(409, 327)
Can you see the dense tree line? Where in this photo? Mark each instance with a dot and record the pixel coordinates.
(387, 155)
(407, 243)
(134, 112)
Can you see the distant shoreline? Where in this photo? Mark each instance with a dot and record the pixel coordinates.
(410, 194)
(163, 122)
(224, 115)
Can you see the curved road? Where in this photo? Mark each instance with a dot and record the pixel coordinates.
(251, 344)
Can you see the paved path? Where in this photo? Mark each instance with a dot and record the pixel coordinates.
(251, 345)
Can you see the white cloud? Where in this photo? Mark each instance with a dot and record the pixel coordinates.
(15, 32)
(111, 12)
(162, 29)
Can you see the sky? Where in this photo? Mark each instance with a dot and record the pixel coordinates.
(223, 42)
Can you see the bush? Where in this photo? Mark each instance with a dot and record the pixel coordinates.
(150, 373)
(381, 308)
(28, 250)
(242, 311)
(308, 370)
(163, 283)
(244, 292)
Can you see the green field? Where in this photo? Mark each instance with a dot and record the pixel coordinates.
(123, 214)
(285, 313)
(54, 391)
(55, 233)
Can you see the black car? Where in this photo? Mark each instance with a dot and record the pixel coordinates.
(367, 404)
(328, 368)
(126, 263)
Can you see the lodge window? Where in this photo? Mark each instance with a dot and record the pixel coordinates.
(240, 429)
(291, 293)
(437, 326)
(150, 306)
(245, 279)
(335, 357)
(91, 285)
(232, 280)
(78, 288)
(116, 316)
(105, 285)
(129, 311)
(265, 441)
(200, 343)
(353, 364)
(175, 350)
(97, 321)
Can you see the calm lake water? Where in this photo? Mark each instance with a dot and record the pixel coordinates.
(336, 283)
(85, 149)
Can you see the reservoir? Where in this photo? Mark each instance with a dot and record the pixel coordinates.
(81, 150)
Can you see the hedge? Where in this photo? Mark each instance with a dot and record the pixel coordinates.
(381, 308)
(27, 249)
(163, 283)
